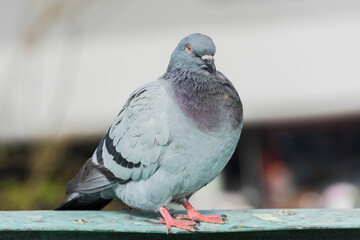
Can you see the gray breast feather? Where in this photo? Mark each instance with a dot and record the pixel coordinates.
(132, 147)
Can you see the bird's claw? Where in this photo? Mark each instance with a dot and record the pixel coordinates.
(197, 221)
(187, 225)
(224, 218)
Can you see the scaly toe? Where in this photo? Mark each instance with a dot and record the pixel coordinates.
(187, 225)
(181, 216)
(212, 219)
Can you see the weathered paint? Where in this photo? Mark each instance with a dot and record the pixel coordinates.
(259, 223)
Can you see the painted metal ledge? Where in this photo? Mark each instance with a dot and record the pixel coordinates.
(248, 224)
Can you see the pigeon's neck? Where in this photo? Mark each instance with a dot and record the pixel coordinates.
(206, 98)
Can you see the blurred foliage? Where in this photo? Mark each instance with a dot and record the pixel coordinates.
(34, 176)
(302, 166)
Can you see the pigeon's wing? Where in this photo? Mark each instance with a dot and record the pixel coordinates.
(132, 147)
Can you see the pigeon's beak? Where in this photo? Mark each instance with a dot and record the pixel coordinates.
(209, 62)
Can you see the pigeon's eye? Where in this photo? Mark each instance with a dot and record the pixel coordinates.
(188, 49)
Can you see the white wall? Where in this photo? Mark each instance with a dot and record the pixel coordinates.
(67, 67)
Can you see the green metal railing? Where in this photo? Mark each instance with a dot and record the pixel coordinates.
(242, 224)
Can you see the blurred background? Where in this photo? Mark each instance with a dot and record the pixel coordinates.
(67, 67)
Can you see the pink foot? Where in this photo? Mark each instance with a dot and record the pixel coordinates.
(192, 214)
(170, 222)
(220, 219)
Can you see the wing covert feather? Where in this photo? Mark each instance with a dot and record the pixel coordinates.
(132, 147)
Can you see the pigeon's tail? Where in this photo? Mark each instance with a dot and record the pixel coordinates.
(80, 201)
(90, 189)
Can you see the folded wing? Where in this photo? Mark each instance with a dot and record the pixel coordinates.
(132, 147)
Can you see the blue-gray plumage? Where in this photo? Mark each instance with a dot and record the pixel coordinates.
(172, 137)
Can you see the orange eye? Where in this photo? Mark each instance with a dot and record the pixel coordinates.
(188, 49)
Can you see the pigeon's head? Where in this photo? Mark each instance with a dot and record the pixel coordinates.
(194, 52)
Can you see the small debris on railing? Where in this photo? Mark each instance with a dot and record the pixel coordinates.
(285, 212)
(268, 217)
(80, 221)
(35, 216)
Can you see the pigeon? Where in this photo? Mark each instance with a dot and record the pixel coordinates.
(171, 138)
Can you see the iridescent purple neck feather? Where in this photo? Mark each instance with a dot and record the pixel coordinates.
(209, 99)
